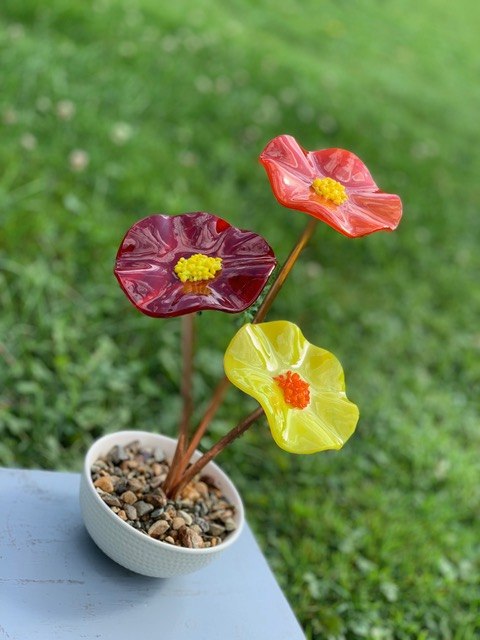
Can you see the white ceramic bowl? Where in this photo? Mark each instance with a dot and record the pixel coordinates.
(131, 548)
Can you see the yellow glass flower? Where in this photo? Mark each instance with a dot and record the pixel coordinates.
(300, 387)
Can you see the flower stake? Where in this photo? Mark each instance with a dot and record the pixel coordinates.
(172, 266)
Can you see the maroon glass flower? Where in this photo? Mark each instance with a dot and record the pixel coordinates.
(332, 185)
(172, 265)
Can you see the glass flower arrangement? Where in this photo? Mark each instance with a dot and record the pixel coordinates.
(179, 265)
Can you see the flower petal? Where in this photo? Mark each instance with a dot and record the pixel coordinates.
(344, 167)
(379, 211)
(321, 426)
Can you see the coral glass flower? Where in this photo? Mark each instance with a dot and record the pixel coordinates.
(300, 387)
(173, 265)
(332, 185)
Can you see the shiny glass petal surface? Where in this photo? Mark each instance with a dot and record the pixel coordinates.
(260, 352)
(292, 169)
(151, 248)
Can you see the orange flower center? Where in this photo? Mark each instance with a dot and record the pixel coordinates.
(296, 392)
(330, 189)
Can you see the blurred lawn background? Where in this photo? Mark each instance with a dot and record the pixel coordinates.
(113, 109)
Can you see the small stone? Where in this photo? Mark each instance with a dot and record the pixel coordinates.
(156, 513)
(158, 528)
(202, 508)
(135, 485)
(157, 469)
(112, 501)
(190, 493)
(189, 538)
(117, 454)
(143, 508)
(129, 497)
(186, 516)
(230, 524)
(121, 514)
(120, 486)
(156, 500)
(169, 539)
(157, 481)
(105, 484)
(131, 512)
(171, 511)
(203, 525)
(216, 529)
(133, 447)
(159, 454)
(98, 465)
(222, 514)
(202, 488)
(177, 523)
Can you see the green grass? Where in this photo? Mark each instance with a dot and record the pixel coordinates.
(379, 541)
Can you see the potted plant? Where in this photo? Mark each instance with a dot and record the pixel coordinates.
(159, 506)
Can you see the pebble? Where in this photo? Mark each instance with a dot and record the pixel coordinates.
(216, 529)
(230, 524)
(156, 500)
(202, 488)
(190, 493)
(186, 516)
(157, 481)
(129, 497)
(131, 512)
(117, 454)
(202, 524)
(135, 485)
(177, 523)
(157, 469)
(112, 501)
(104, 483)
(158, 528)
(120, 486)
(190, 538)
(129, 480)
(159, 454)
(143, 508)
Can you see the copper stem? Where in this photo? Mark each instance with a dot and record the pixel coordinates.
(285, 270)
(188, 341)
(216, 449)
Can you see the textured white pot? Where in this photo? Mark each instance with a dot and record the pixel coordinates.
(131, 548)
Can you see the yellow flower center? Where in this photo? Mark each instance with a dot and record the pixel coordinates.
(197, 268)
(296, 392)
(330, 190)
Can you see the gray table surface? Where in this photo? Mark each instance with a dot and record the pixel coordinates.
(55, 582)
